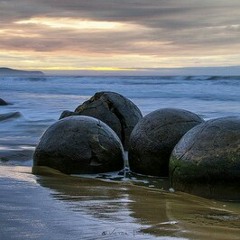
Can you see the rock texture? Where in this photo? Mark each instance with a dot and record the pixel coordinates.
(206, 161)
(115, 110)
(154, 138)
(67, 113)
(80, 144)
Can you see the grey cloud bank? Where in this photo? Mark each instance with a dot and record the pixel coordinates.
(154, 28)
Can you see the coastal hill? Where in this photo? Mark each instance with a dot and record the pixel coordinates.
(14, 72)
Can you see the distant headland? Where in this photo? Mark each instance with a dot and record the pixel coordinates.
(4, 71)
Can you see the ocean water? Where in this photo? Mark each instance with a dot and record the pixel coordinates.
(53, 207)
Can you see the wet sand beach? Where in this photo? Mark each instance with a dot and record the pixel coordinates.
(57, 206)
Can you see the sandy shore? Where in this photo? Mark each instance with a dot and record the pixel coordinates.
(56, 206)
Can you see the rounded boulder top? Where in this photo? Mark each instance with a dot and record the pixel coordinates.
(206, 161)
(154, 138)
(117, 111)
(79, 145)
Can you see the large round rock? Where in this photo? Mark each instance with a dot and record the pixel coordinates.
(80, 144)
(206, 161)
(115, 110)
(154, 138)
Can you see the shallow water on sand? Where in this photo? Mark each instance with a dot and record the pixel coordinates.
(57, 206)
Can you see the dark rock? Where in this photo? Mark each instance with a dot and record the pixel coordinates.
(9, 116)
(206, 161)
(2, 102)
(154, 138)
(80, 144)
(67, 113)
(115, 110)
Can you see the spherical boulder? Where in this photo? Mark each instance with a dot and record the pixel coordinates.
(154, 138)
(2, 102)
(115, 110)
(206, 161)
(79, 145)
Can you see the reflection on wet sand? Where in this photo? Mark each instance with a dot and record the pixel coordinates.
(135, 210)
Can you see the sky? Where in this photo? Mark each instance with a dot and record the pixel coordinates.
(119, 35)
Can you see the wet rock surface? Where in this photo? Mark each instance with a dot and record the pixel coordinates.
(67, 113)
(115, 110)
(79, 144)
(206, 161)
(2, 102)
(10, 116)
(154, 138)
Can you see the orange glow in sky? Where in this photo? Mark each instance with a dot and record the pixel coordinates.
(71, 23)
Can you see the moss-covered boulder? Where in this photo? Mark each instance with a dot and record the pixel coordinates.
(154, 138)
(80, 144)
(115, 110)
(206, 161)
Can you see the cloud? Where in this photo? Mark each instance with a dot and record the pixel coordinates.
(172, 31)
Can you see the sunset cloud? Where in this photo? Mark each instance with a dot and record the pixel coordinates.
(70, 23)
(119, 34)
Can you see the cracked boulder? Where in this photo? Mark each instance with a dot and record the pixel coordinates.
(206, 161)
(79, 145)
(154, 137)
(115, 110)
(2, 102)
